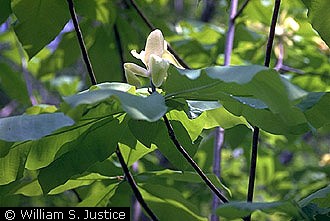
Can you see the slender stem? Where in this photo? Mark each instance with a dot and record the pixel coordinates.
(120, 51)
(254, 151)
(272, 33)
(81, 42)
(217, 152)
(219, 132)
(230, 32)
(253, 163)
(128, 175)
(133, 185)
(279, 63)
(145, 19)
(192, 162)
(184, 153)
(152, 27)
(240, 10)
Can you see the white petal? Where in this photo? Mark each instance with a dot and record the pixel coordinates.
(170, 57)
(154, 45)
(136, 69)
(158, 69)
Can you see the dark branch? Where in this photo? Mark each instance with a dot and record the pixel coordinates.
(192, 162)
(255, 139)
(240, 10)
(253, 163)
(272, 33)
(180, 148)
(81, 42)
(145, 19)
(120, 51)
(133, 185)
(152, 27)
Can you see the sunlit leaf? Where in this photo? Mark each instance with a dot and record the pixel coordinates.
(95, 145)
(319, 17)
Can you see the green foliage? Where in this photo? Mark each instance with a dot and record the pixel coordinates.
(53, 15)
(53, 153)
(319, 17)
(32, 127)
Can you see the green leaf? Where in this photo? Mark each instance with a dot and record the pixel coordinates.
(5, 10)
(255, 92)
(181, 176)
(233, 210)
(150, 108)
(12, 165)
(321, 198)
(319, 17)
(30, 189)
(163, 199)
(99, 195)
(43, 151)
(316, 106)
(94, 145)
(10, 79)
(156, 133)
(32, 127)
(44, 19)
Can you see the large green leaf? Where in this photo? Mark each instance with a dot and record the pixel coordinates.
(168, 176)
(208, 119)
(75, 157)
(32, 127)
(319, 17)
(321, 198)
(150, 108)
(163, 199)
(44, 19)
(43, 151)
(244, 91)
(233, 210)
(317, 204)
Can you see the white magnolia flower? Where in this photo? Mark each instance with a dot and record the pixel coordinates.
(156, 58)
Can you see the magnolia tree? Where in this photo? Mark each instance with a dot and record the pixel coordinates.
(233, 122)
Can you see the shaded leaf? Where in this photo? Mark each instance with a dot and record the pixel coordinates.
(32, 127)
(186, 176)
(94, 145)
(44, 19)
(321, 198)
(5, 10)
(150, 108)
(163, 199)
(234, 210)
(255, 92)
